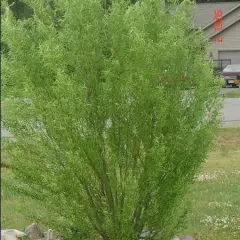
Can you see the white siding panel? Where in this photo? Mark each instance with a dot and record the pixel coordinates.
(231, 38)
(233, 55)
(204, 12)
(231, 41)
(231, 17)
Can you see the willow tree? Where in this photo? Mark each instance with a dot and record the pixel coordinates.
(105, 144)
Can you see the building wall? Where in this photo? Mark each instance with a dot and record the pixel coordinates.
(231, 41)
(233, 16)
(204, 12)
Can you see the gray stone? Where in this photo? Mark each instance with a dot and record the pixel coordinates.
(34, 232)
(48, 235)
(176, 238)
(11, 234)
(187, 238)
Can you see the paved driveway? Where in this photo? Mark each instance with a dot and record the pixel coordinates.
(231, 112)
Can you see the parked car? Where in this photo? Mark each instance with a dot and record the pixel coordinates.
(231, 75)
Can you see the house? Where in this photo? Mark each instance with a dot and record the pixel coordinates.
(221, 25)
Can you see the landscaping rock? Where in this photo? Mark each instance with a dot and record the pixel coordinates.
(11, 234)
(48, 235)
(187, 238)
(176, 238)
(34, 232)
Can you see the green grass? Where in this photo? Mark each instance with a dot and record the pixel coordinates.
(215, 202)
(233, 94)
(13, 206)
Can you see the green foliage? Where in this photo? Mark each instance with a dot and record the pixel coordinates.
(20, 9)
(106, 145)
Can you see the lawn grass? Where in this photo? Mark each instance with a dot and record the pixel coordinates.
(215, 195)
(233, 94)
(13, 205)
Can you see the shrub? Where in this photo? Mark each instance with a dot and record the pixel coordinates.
(104, 145)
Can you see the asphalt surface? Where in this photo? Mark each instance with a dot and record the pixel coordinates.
(230, 112)
(231, 109)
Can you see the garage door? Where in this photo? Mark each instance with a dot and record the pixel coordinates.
(233, 55)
